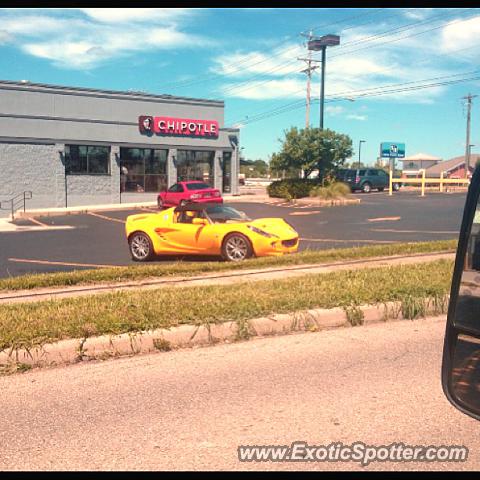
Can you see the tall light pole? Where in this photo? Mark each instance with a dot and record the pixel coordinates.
(321, 44)
(360, 151)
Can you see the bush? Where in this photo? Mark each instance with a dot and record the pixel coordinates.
(334, 190)
(291, 188)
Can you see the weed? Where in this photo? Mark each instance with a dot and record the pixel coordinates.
(355, 315)
(162, 344)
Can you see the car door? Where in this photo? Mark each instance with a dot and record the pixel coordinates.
(373, 178)
(186, 237)
(174, 194)
(383, 179)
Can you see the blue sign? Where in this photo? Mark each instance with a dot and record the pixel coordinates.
(392, 150)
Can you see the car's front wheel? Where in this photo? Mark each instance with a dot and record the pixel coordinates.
(141, 247)
(236, 247)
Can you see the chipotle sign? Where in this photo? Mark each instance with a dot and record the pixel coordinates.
(177, 126)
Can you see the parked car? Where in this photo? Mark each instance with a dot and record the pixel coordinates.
(192, 191)
(208, 229)
(366, 179)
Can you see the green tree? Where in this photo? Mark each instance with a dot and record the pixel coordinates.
(312, 149)
(254, 168)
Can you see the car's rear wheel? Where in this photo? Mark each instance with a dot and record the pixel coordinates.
(366, 188)
(236, 247)
(141, 247)
(381, 189)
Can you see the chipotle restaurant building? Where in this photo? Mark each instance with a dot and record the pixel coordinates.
(76, 146)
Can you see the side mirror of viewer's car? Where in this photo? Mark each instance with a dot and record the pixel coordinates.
(461, 351)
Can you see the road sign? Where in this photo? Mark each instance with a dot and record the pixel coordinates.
(392, 150)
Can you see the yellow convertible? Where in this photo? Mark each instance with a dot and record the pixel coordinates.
(208, 229)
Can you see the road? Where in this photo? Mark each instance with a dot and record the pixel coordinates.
(191, 409)
(98, 239)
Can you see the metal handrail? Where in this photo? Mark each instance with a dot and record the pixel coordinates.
(16, 202)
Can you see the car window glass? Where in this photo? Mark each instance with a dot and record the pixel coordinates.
(197, 186)
(173, 188)
(373, 173)
(361, 173)
(222, 214)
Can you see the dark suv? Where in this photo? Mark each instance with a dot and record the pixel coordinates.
(366, 179)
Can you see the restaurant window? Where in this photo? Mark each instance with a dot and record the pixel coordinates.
(226, 172)
(87, 160)
(195, 165)
(143, 170)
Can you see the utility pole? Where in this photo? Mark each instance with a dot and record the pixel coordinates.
(468, 98)
(309, 60)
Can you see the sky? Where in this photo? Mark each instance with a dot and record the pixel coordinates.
(249, 58)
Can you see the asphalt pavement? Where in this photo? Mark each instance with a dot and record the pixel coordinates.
(191, 409)
(97, 239)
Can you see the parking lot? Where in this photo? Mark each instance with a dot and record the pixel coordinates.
(97, 239)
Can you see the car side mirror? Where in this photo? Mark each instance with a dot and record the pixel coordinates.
(461, 351)
(199, 221)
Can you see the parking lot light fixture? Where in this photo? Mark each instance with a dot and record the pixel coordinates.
(321, 44)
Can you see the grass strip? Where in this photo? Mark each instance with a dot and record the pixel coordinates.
(31, 324)
(155, 270)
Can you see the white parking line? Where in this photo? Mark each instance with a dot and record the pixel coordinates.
(104, 217)
(392, 230)
(66, 264)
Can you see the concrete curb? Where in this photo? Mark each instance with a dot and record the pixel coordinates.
(243, 198)
(55, 212)
(187, 336)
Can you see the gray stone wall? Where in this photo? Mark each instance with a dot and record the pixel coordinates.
(29, 167)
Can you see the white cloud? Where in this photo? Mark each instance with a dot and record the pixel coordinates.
(460, 35)
(257, 90)
(417, 13)
(278, 62)
(120, 15)
(354, 116)
(70, 41)
(334, 110)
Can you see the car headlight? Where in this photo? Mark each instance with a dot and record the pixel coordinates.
(262, 232)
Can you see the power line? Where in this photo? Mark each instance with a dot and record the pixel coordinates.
(291, 107)
(284, 65)
(403, 83)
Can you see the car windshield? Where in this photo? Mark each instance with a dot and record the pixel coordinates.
(223, 214)
(197, 186)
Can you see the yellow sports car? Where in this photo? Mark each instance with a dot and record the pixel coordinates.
(208, 229)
